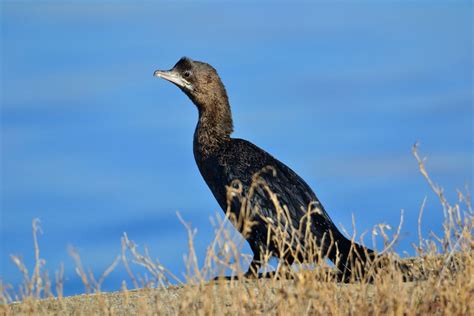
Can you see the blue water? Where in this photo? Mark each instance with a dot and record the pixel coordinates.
(94, 146)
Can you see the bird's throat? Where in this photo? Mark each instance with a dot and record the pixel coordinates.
(213, 129)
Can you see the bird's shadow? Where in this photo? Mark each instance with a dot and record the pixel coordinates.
(262, 275)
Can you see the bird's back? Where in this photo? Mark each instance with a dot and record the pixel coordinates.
(255, 175)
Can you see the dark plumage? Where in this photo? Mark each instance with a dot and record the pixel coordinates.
(229, 165)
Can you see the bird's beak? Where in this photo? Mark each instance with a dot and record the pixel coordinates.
(174, 77)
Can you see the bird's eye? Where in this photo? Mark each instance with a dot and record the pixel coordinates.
(187, 74)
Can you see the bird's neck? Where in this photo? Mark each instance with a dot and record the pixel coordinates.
(213, 128)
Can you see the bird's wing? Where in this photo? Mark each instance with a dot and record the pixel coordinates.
(295, 198)
(277, 193)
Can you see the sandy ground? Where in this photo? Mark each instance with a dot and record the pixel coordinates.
(174, 300)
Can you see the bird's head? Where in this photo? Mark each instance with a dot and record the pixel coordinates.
(199, 81)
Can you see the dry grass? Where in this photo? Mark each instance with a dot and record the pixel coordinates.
(441, 275)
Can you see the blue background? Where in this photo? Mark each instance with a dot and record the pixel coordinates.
(94, 146)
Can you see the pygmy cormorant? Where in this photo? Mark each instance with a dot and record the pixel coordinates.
(232, 166)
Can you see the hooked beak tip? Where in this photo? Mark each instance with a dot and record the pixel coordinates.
(157, 73)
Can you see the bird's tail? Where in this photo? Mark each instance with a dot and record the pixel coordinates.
(356, 262)
(353, 260)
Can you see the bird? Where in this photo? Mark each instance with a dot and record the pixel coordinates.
(274, 209)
